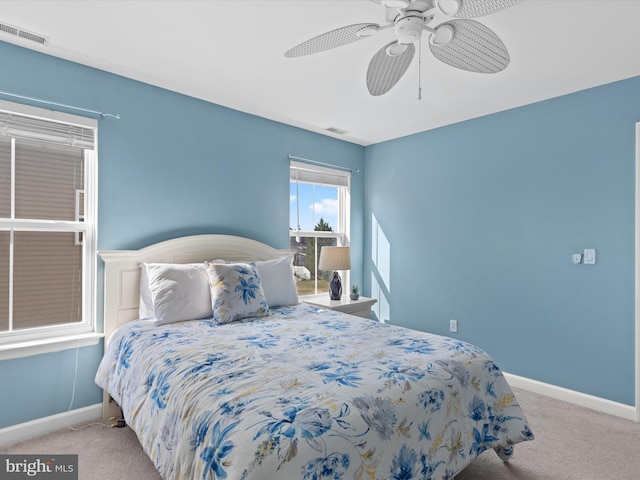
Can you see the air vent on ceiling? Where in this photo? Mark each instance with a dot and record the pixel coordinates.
(22, 33)
(338, 131)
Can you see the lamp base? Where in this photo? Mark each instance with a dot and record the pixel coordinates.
(335, 287)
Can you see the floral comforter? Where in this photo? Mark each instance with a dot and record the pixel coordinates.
(307, 393)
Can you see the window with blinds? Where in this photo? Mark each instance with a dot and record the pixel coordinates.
(319, 216)
(47, 224)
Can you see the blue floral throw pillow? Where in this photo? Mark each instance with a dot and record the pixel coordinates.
(236, 292)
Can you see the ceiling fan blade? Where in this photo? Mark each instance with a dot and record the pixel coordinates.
(384, 70)
(480, 8)
(473, 47)
(335, 38)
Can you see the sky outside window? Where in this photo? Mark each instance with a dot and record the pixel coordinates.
(315, 202)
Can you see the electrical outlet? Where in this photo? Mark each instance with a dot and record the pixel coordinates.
(453, 326)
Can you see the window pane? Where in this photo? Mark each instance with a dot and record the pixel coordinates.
(4, 281)
(310, 280)
(47, 279)
(47, 178)
(316, 204)
(309, 204)
(5, 176)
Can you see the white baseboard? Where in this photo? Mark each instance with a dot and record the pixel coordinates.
(40, 426)
(571, 396)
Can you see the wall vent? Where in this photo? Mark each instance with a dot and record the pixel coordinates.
(338, 131)
(22, 33)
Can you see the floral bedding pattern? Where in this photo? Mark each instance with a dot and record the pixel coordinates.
(307, 393)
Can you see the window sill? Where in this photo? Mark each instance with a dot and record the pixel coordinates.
(50, 345)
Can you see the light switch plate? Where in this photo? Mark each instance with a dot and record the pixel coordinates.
(589, 256)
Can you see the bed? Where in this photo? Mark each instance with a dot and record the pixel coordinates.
(281, 389)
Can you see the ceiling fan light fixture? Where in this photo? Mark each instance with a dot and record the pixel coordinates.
(444, 34)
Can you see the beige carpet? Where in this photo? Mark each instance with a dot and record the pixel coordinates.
(572, 443)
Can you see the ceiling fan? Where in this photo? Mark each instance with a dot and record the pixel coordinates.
(460, 42)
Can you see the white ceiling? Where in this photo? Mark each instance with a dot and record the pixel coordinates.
(232, 53)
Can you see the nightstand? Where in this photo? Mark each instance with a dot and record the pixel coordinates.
(360, 307)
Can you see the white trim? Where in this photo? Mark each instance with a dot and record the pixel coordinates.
(16, 343)
(603, 405)
(48, 345)
(40, 426)
(637, 273)
(332, 176)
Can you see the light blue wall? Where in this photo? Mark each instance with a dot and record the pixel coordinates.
(479, 220)
(171, 166)
(474, 221)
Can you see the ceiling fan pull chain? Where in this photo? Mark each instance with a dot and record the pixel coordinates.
(420, 69)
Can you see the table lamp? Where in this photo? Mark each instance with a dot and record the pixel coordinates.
(335, 258)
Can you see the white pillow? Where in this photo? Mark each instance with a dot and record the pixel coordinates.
(236, 292)
(278, 281)
(145, 310)
(178, 292)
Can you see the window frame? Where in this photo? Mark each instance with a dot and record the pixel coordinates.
(36, 340)
(332, 177)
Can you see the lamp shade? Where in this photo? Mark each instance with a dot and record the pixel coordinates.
(335, 258)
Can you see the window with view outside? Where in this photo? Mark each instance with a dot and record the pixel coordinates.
(319, 212)
(46, 230)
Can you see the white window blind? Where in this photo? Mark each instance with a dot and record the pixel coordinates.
(306, 173)
(46, 180)
(30, 128)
